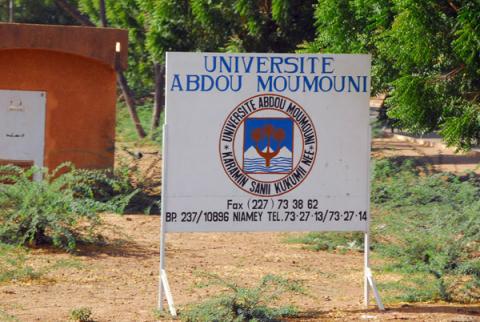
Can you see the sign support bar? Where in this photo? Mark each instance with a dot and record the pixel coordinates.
(367, 272)
(163, 284)
(368, 278)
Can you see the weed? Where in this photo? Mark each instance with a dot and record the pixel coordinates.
(82, 314)
(238, 303)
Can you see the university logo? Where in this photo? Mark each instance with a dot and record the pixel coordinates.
(268, 145)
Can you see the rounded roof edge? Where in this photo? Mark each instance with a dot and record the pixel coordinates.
(91, 42)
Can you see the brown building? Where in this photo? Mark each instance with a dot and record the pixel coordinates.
(58, 94)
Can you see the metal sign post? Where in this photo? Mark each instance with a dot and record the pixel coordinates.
(368, 277)
(163, 285)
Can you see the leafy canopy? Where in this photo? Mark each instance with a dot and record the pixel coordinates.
(426, 55)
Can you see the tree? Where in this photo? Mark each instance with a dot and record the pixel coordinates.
(121, 79)
(158, 26)
(425, 55)
(40, 11)
(222, 25)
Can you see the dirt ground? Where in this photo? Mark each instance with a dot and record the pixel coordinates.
(119, 281)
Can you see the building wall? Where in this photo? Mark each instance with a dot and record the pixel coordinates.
(81, 97)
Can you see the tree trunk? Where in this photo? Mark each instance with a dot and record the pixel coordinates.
(10, 11)
(122, 82)
(103, 14)
(121, 79)
(159, 95)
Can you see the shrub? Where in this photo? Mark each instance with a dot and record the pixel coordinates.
(431, 226)
(82, 314)
(238, 303)
(427, 225)
(61, 209)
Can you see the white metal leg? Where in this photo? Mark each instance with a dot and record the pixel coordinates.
(368, 278)
(168, 293)
(163, 285)
(366, 264)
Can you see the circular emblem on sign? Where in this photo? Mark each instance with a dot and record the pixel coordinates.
(268, 145)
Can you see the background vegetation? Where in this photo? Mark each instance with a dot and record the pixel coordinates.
(427, 226)
(426, 53)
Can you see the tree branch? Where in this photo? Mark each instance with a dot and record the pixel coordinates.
(453, 6)
(72, 11)
(159, 95)
(103, 14)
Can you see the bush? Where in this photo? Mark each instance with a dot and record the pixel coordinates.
(82, 314)
(242, 303)
(431, 226)
(61, 209)
(427, 226)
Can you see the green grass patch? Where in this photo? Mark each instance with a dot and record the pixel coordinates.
(13, 264)
(342, 242)
(418, 287)
(125, 129)
(5, 317)
(16, 265)
(239, 303)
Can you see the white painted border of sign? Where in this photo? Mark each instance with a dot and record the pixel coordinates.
(164, 287)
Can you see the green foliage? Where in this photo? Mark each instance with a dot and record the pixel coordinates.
(431, 224)
(38, 12)
(82, 314)
(425, 55)
(428, 228)
(238, 303)
(414, 104)
(126, 14)
(61, 209)
(158, 26)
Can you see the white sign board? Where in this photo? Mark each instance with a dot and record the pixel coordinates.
(266, 142)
